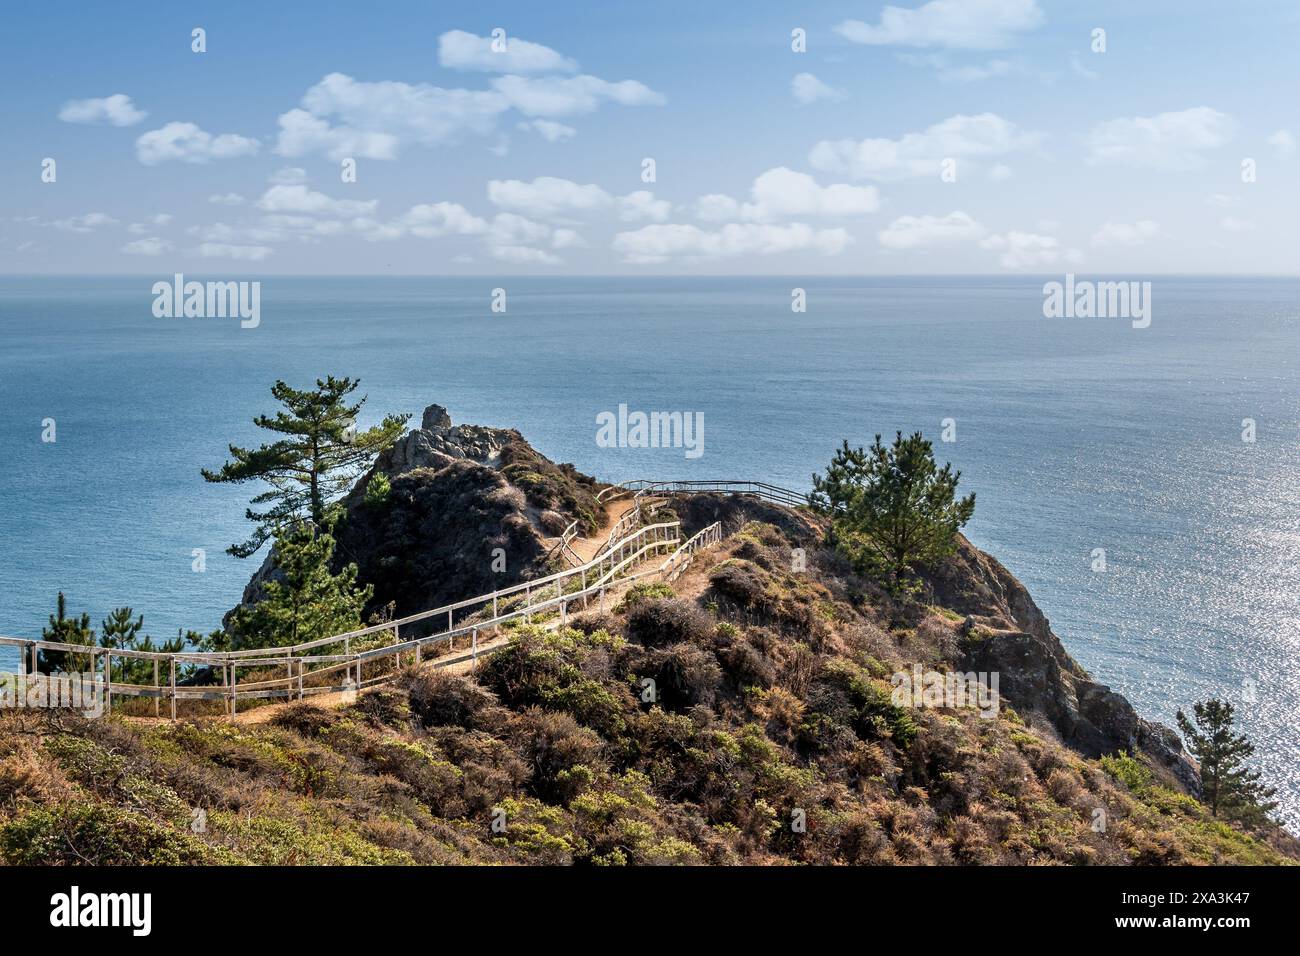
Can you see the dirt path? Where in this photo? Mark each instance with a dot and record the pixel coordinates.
(586, 548)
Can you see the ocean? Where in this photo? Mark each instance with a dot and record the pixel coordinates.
(1076, 435)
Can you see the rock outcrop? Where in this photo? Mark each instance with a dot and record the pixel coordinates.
(470, 510)
(437, 443)
(1006, 632)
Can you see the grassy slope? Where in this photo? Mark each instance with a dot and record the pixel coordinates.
(773, 697)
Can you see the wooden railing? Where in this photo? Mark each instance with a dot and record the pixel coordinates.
(757, 489)
(308, 661)
(564, 547)
(312, 667)
(677, 562)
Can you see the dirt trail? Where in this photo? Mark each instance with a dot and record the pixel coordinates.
(586, 548)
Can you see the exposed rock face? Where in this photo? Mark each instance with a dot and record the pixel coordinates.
(444, 534)
(1006, 632)
(458, 494)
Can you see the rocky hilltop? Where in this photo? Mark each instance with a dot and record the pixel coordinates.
(461, 496)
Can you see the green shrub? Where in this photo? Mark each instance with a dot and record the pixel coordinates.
(644, 591)
(93, 834)
(1127, 771)
(378, 488)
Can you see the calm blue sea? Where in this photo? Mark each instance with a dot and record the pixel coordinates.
(1076, 434)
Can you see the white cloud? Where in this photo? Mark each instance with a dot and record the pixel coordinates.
(116, 110)
(227, 199)
(547, 196)
(1283, 142)
(288, 176)
(507, 228)
(915, 232)
(152, 246)
(806, 88)
(920, 154)
(218, 250)
(425, 221)
(87, 223)
(1232, 224)
(660, 243)
(188, 143)
(1026, 250)
(458, 50)
(300, 199)
(1172, 141)
(1220, 199)
(642, 205)
(1000, 173)
(1125, 234)
(570, 95)
(374, 119)
(550, 130)
(782, 193)
(343, 117)
(958, 24)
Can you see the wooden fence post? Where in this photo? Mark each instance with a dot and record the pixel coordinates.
(172, 661)
(234, 689)
(157, 701)
(473, 648)
(108, 680)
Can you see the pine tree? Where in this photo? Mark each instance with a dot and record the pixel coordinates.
(319, 458)
(892, 508)
(120, 632)
(1228, 786)
(65, 630)
(305, 599)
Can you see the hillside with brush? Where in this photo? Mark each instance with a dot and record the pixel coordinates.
(771, 738)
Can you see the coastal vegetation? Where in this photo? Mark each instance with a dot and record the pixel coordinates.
(1229, 787)
(891, 508)
(740, 714)
(769, 736)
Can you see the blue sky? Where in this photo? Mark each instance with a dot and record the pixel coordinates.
(472, 160)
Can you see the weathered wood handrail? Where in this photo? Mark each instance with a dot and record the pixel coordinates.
(621, 550)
